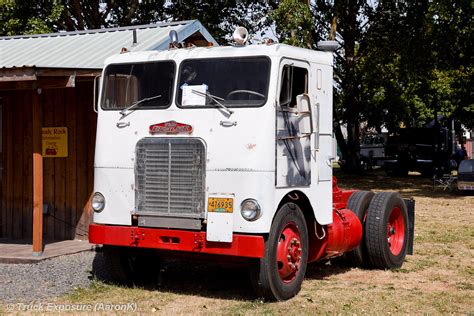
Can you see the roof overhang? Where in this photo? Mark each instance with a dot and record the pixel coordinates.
(30, 77)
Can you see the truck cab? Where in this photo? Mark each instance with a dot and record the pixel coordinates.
(223, 151)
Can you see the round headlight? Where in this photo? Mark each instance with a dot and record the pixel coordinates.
(250, 209)
(98, 202)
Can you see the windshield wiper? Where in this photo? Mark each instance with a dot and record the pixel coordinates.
(129, 109)
(216, 99)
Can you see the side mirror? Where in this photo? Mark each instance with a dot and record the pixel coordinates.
(304, 110)
(95, 93)
(286, 86)
(316, 126)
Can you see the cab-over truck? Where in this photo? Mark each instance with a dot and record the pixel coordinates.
(225, 153)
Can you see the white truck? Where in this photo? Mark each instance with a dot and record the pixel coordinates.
(225, 153)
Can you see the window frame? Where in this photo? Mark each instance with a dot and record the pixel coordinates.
(179, 105)
(104, 76)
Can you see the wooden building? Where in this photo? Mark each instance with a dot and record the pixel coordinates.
(48, 125)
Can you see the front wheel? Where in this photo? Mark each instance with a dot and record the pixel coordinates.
(280, 272)
(386, 230)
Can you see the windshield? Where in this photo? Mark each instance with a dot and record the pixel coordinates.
(232, 82)
(151, 84)
(466, 166)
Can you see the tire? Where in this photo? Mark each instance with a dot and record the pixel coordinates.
(386, 230)
(359, 203)
(127, 265)
(280, 273)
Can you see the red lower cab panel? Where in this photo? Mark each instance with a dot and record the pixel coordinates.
(250, 246)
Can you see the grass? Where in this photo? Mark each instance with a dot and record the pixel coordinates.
(437, 279)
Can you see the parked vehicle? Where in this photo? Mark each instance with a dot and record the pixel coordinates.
(372, 150)
(466, 175)
(427, 150)
(224, 153)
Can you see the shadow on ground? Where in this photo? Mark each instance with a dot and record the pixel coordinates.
(414, 185)
(210, 280)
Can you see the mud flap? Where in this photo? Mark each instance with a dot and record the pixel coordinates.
(219, 227)
(410, 203)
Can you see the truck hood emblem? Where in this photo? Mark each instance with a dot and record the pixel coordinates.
(170, 127)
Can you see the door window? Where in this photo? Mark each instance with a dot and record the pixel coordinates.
(294, 128)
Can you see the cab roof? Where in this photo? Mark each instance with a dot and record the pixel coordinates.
(272, 50)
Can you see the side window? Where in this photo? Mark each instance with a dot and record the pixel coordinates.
(294, 128)
(294, 82)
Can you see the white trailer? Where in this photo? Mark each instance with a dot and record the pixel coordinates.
(226, 152)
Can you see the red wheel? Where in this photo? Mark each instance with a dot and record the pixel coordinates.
(386, 230)
(395, 231)
(289, 252)
(280, 273)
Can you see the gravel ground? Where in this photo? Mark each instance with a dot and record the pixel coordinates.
(48, 278)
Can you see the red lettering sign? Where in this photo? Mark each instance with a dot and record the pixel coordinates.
(170, 127)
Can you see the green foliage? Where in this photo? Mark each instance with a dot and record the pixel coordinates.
(294, 23)
(401, 63)
(420, 52)
(43, 16)
(28, 17)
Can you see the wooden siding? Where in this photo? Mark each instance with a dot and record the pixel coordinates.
(68, 182)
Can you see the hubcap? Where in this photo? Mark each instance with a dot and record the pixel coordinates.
(395, 231)
(289, 252)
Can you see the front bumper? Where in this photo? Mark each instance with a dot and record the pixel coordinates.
(465, 185)
(250, 246)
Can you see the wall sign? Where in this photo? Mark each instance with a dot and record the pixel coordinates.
(55, 142)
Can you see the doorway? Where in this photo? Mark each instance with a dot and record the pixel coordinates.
(1, 166)
(1, 147)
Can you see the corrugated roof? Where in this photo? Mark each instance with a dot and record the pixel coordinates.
(89, 49)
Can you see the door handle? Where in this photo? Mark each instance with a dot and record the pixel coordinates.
(122, 124)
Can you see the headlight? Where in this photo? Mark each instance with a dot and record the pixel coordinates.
(250, 210)
(98, 202)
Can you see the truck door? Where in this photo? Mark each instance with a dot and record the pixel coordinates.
(293, 126)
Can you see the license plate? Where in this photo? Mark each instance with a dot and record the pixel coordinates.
(222, 205)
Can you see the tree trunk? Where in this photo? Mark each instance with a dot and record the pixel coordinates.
(350, 88)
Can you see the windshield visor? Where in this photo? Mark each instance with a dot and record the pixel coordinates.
(126, 84)
(233, 82)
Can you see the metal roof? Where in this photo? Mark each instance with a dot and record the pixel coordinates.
(89, 49)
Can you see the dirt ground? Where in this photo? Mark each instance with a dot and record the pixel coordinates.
(437, 279)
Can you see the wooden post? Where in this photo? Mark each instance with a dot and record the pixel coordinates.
(37, 176)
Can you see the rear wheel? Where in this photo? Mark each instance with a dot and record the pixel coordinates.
(359, 203)
(280, 272)
(386, 230)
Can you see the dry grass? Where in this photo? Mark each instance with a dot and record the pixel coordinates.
(437, 279)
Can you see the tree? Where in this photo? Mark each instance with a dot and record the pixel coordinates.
(420, 65)
(400, 62)
(28, 17)
(294, 24)
(41, 16)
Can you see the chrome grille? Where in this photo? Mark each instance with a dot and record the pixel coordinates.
(169, 177)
